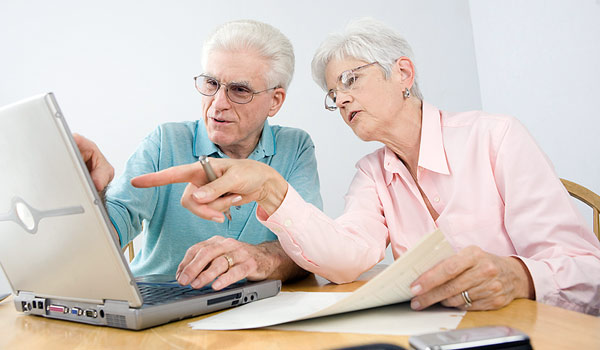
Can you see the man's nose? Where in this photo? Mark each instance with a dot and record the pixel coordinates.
(221, 100)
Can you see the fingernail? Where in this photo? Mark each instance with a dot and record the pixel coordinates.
(199, 194)
(196, 284)
(236, 199)
(415, 305)
(216, 285)
(416, 289)
(184, 280)
(218, 219)
(177, 275)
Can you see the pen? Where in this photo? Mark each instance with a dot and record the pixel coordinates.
(210, 174)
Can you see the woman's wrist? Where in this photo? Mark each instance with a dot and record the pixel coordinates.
(274, 191)
(527, 288)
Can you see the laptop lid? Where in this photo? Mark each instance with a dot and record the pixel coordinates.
(55, 237)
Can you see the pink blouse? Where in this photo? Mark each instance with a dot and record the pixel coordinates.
(492, 186)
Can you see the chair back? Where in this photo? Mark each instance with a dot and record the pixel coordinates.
(588, 197)
(129, 248)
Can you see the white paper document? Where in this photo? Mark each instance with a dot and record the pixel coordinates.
(390, 286)
(396, 319)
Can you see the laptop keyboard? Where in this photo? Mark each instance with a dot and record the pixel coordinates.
(154, 294)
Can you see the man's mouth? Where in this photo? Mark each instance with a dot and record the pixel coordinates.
(219, 121)
(352, 115)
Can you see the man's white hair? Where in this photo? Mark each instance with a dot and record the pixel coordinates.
(263, 38)
(367, 40)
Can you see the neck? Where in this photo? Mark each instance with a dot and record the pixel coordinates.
(405, 135)
(239, 150)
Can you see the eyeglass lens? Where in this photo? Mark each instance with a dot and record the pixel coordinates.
(346, 82)
(237, 93)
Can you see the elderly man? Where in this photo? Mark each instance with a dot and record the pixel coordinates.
(248, 66)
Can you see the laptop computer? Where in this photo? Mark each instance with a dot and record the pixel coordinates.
(57, 246)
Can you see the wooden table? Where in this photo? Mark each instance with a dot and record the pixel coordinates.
(549, 328)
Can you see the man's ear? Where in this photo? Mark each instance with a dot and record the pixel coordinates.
(277, 101)
(406, 70)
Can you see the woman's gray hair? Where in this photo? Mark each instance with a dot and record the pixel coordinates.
(364, 39)
(265, 39)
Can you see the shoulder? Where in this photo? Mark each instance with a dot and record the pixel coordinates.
(185, 128)
(288, 137)
(482, 124)
(372, 161)
(167, 132)
(477, 119)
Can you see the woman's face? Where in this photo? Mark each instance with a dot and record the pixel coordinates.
(371, 103)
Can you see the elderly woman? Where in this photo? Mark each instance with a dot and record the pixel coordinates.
(478, 177)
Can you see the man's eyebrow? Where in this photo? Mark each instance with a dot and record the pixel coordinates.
(240, 82)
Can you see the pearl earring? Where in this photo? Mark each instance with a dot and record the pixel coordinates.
(406, 93)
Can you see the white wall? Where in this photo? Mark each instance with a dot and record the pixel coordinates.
(540, 61)
(120, 68)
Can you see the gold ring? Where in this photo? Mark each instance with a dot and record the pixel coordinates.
(467, 300)
(229, 261)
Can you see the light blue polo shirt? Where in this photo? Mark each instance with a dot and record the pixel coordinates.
(170, 229)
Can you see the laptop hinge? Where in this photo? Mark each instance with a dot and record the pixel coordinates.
(115, 306)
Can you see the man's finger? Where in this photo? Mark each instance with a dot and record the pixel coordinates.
(178, 174)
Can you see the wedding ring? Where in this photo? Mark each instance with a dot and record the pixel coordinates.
(229, 261)
(468, 301)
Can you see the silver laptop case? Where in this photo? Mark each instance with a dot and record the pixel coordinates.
(57, 246)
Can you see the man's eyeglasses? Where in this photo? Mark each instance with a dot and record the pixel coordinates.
(236, 92)
(346, 81)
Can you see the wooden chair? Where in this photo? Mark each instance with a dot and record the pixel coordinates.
(588, 197)
(131, 252)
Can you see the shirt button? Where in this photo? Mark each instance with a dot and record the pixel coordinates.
(436, 199)
(237, 207)
(287, 223)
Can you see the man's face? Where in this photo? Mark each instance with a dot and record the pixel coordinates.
(236, 128)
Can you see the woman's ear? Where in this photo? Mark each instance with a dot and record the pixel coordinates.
(277, 101)
(406, 70)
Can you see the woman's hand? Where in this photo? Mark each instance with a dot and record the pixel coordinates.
(239, 181)
(491, 281)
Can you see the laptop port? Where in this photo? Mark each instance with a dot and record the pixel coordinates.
(59, 308)
(25, 306)
(91, 313)
(76, 311)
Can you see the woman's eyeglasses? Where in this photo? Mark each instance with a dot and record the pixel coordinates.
(345, 82)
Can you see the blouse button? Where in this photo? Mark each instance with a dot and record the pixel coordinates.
(436, 199)
(287, 223)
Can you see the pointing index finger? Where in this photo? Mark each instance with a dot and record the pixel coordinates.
(178, 174)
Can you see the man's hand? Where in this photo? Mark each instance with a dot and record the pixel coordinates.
(491, 281)
(228, 261)
(239, 182)
(100, 169)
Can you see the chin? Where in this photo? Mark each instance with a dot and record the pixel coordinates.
(363, 135)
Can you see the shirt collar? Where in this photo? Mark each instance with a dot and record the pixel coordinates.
(432, 155)
(204, 146)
